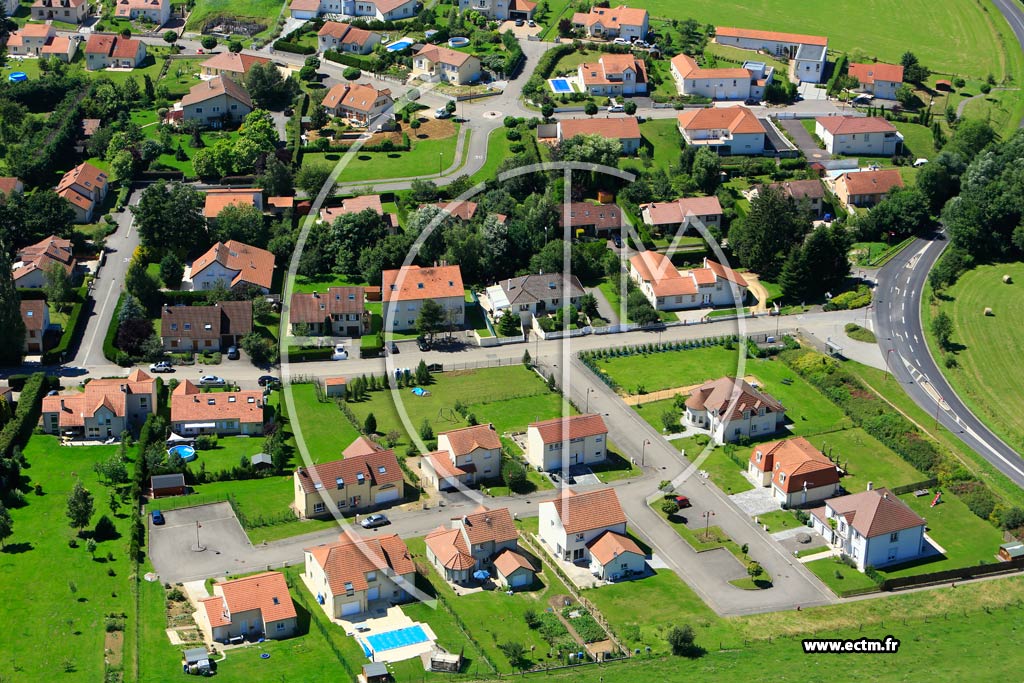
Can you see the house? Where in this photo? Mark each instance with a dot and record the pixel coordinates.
(40, 40)
(276, 206)
(306, 9)
(473, 542)
(1013, 550)
(567, 524)
(108, 51)
(669, 289)
(624, 129)
(730, 409)
(166, 485)
(873, 528)
(61, 47)
(217, 199)
(351, 205)
(614, 74)
(382, 10)
(338, 312)
(403, 292)
(359, 102)
(500, 10)
(613, 22)
(614, 556)
(797, 472)
(668, 217)
(806, 54)
(224, 413)
(233, 264)
(747, 82)
(866, 188)
(34, 261)
(464, 211)
(193, 329)
(232, 64)
(9, 185)
(105, 408)
(155, 11)
(35, 315)
(347, 576)
(85, 188)
(364, 480)
(726, 130)
(212, 102)
(565, 442)
(66, 11)
(533, 295)
(253, 607)
(513, 570)
(593, 219)
(464, 456)
(809, 194)
(435, 63)
(334, 387)
(879, 79)
(345, 38)
(850, 135)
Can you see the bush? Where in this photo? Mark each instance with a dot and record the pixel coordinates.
(985, 88)
(19, 428)
(670, 507)
(286, 46)
(351, 74)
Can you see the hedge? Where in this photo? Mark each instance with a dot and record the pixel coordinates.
(75, 321)
(384, 146)
(347, 60)
(26, 417)
(111, 352)
(287, 46)
(299, 355)
(837, 71)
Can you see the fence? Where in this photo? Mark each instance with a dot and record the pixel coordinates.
(953, 574)
(907, 488)
(488, 342)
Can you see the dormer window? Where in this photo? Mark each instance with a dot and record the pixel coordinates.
(340, 483)
(231, 399)
(759, 456)
(251, 399)
(382, 469)
(782, 477)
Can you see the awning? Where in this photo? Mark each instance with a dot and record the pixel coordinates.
(200, 425)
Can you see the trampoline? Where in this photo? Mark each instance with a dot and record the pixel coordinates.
(186, 453)
(390, 640)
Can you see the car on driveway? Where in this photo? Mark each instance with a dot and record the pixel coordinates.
(520, 22)
(340, 352)
(268, 381)
(683, 502)
(158, 518)
(442, 113)
(374, 521)
(392, 348)
(162, 366)
(621, 41)
(422, 344)
(212, 381)
(531, 23)
(233, 353)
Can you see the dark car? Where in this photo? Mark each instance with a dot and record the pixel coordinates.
(374, 521)
(392, 348)
(617, 240)
(422, 344)
(268, 381)
(233, 353)
(158, 518)
(683, 502)
(520, 22)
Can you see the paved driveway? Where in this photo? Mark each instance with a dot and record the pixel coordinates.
(804, 140)
(222, 541)
(755, 501)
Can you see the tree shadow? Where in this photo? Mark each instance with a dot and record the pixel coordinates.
(17, 548)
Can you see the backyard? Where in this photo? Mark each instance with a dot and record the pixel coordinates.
(262, 12)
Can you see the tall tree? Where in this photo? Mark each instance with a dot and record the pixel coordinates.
(169, 217)
(56, 284)
(6, 525)
(707, 167)
(12, 327)
(242, 222)
(763, 238)
(276, 179)
(431, 319)
(79, 506)
(592, 149)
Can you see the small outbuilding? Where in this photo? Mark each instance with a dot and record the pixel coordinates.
(164, 485)
(375, 672)
(944, 85)
(513, 569)
(196, 660)
(1014, 550)
(334, 387)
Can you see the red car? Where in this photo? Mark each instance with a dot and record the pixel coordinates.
(682, 502)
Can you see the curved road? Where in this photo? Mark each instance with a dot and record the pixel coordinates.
(901, 337)
(1013, 12)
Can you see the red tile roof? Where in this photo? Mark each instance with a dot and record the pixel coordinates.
(126, 48)
(610, 545)
(688, 68)
(598, 74)
(489, 526)
(335, 29)
(573, 427)
(418, 283)
(623, 128)
(875, 513)
(266, 592)
(315, 307)
(358, 97)
(378, 468)
(508, 561)
(848, 125)
(206, 322)
(737, 120)
(724, 272)
(724, 392)
(468, 439)
(253, 265)
(801, 189)
(233, 62)
(871, 182)
(449, 547)
(461, 210)
(33, 314)
(442, 55)
(583, 214)
(363, 445)
(879, 71)
(188, 404)
(10, 185)
(798, 460)
(611, 17)
(658, 270)
(84, 176)
(589, 510)
(350, 558)
(37, 30)
(773, 36)
(217, 200)
(441, 463)
(216, 86)
(99, 44)
(676, 212)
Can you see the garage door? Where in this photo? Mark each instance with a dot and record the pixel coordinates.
(349, 608)
(373, 593)
(386, 496)
(521, 579)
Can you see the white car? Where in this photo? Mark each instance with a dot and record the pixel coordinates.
(621, 41)
(340, 353)
(616, 109)
(442, 113)
(918, 163)
(162, 366)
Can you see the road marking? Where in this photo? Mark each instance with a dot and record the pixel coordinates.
(904, 319)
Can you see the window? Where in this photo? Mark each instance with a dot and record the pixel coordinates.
(188, 326)
(371, 576)
(579, 537)
(318, 508)
(782, 477)
(894, 537)
(199, 110)
(758, 456)
(280, 624)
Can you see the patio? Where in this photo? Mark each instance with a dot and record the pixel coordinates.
(579, 574)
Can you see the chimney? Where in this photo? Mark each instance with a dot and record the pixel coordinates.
(886, 495)
(871, 486)
(62, 404)
(124, 389)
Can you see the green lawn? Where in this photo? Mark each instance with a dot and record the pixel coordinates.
(917, 140)
(514, 414)
(497, 152)
(228, 454)
(424, 159)
(663, 134)
(66, 592)
(325, 430)
(305, 284)
(779, 520)
(988, 348)
(737, 55)
(838, 576)
(866, 459)
(616, 466)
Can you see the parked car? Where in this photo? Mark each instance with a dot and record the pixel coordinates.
(340, 353)
(212, 381)
(617, 240)
(442, 113)
(158, 518)
(374, 521)
(918, 163)
(683, 502)
(392, 348)
(162, 366)
(520, 22)
(616, 109)
(621, 41)
(268, 381)
(422, 344)
(233, 353)
(52, 392)
(639, 43)
(531, 23)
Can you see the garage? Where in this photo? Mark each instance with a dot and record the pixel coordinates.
(386, 496)
(520, 579)
(350, 609)
(373, 593)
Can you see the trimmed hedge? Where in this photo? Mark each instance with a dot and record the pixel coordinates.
(26, 417)
(297, 355)
(288, 46)
(385, 146)
(347, 60)
(111, 352)
(75, 321)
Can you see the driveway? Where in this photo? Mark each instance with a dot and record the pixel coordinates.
(804, 140)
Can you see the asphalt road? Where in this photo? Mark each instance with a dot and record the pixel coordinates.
(1013, 12)
(902, 341)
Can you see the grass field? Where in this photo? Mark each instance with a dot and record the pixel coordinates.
(988, 348)
(779, 520)
(427, 157)
(953, 37)
(325, 430)
(264, 12)
(62, 594)
(663, 134)
(497, 152)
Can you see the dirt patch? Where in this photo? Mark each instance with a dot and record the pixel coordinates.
(435, 129)
(113, 648)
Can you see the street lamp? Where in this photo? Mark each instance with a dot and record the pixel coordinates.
(887, 367)
(589, 390)
(643, 452)
(707, 522)
(440, 156)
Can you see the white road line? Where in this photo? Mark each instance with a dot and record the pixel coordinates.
(904, 319)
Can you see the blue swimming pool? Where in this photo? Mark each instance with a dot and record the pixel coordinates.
(17, 77)
(560, 85)
(399, 45)
(394, 639)
(187, 453)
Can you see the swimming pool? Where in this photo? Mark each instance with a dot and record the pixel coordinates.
(390, 640)
(458, 41)
(17, 77)
(399, 45)
(560, 85)
(186, 453)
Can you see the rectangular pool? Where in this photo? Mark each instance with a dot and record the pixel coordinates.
(399, 45)
(390, 640)
(560, 85)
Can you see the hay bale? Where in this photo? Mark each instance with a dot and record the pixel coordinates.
(988, 311)
(1007, 280)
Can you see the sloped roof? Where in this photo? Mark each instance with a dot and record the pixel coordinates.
(363, 445)
(484, 525)
(358, 97)
(9, 184)
(534, 288)
(206, 322)
(442, 55)
(801, 189)
(233, 62)
(508, 561)
(216, 86)
(572, 427)
(349, 559)
(611, 17)
(676, 211)
(468, 439)
(601, 216)
(849, 125)
(875, 513)
(217, 200)
(588, 510)
(621, 128)
(313, 307)
(335, 29)
(724, 272)
(252, 264)
(871, 182)
(688, 68)
(33, 313)
(610, 545)
(450, 549)
(718, 395)
(737, 120)
(657, 269)
(418, 283)
(267, 592)
(188, 405)
(798, 460)
(878, 71)
(84, 175)
(378, 468)
(773, 36)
